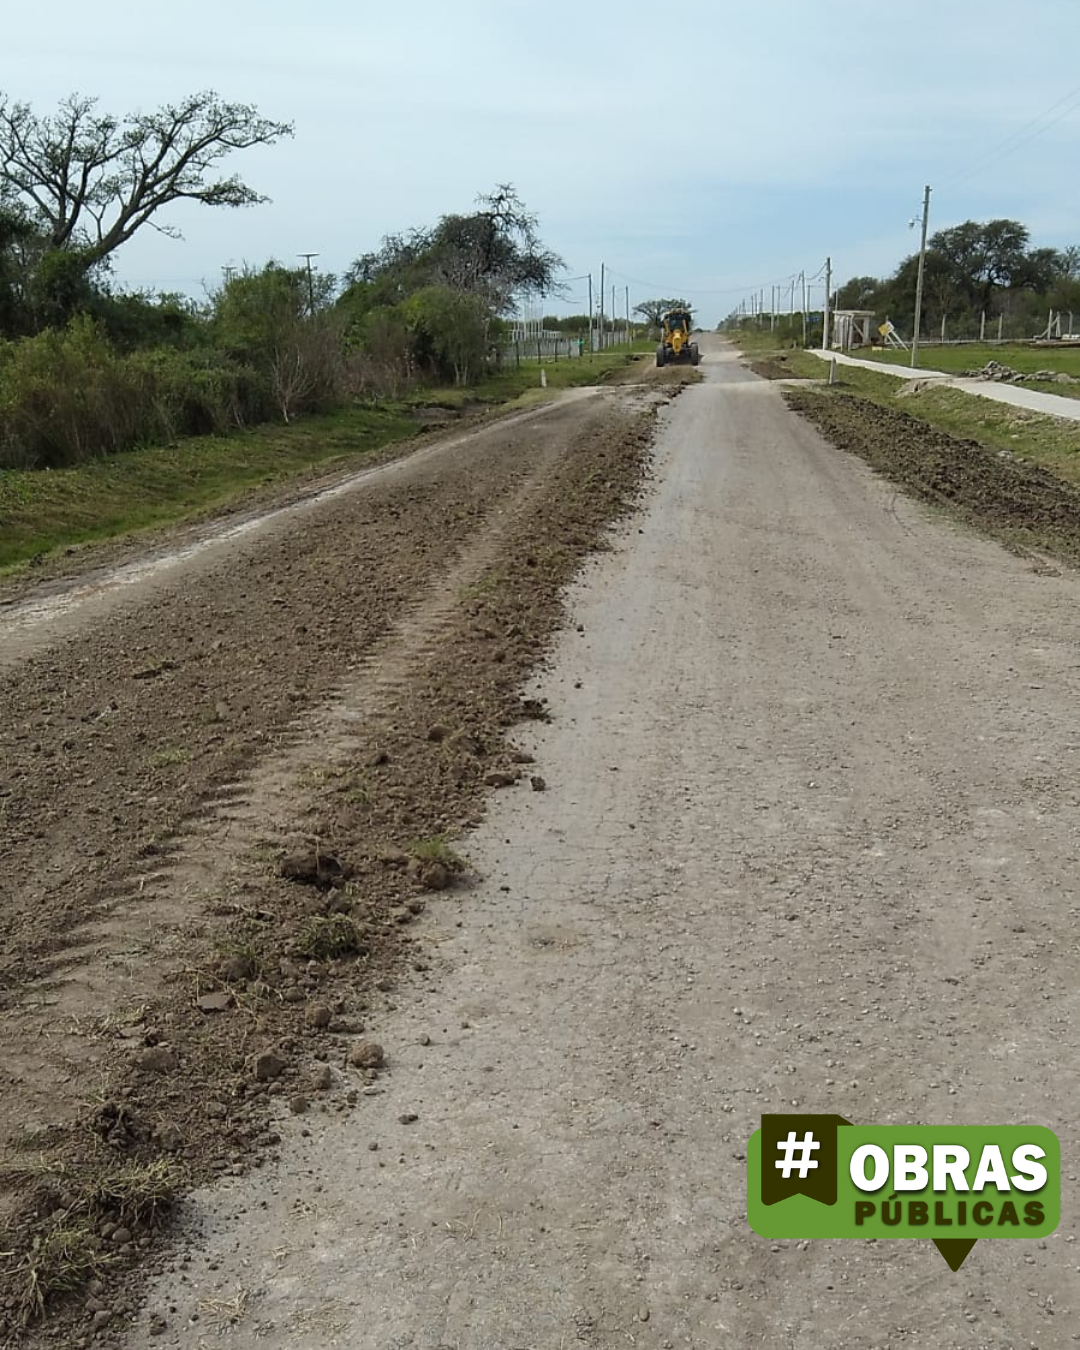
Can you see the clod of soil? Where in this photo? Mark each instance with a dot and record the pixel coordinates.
(214, 1003)
(320, 870)
(435, 876)
(157, 1059)
(366, 1055)
(269, 1065)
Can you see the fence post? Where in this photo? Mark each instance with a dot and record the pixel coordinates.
(982, 327)
(943, 330)
(517, 353)
(1001, 320)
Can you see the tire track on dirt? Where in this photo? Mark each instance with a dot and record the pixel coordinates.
(452, 652)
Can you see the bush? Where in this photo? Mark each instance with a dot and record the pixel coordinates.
(66, 396)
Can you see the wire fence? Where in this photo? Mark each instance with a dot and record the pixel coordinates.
(947, 330)
(544, 345)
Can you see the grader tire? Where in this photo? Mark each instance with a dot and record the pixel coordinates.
(695, 355)
(661, 356)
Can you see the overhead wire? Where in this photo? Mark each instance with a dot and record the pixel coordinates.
(1013, 142)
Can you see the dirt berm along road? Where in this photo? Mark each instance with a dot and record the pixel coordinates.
(808, 842)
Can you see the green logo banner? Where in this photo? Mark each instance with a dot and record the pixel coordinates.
(819, 1176)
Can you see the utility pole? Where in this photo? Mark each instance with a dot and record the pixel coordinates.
(627, 290)
(919, 283)
(614, 316)
(601, 306)
(310, 282)
(228, 273)
(591, 347)
(825, 314)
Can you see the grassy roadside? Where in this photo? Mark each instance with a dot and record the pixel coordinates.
(515, 382)
(1035, 438)
(1026, 359)
(42, 511)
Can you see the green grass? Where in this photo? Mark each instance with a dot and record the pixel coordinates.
(436, 849)
(46, 509)
(1027, 359)
(761, 345)
(517, 382)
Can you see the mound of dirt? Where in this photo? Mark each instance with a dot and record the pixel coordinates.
(1023, 505)
(770, 367)
(269, 980)
(644, 370)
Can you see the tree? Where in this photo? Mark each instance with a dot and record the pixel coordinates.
(858, 293)
(494, 253)
(89, 181)
(15, 233)
(450, 331)
(261, 318)
(654, 310)
(981, 259)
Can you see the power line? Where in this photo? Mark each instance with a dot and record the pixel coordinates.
(1016, 139)
(700, 290)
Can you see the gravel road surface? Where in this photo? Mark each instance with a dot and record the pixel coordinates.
(808, 841)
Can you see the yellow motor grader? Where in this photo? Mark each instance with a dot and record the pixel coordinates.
(675, 344)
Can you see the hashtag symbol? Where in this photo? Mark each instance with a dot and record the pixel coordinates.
(790, 1147)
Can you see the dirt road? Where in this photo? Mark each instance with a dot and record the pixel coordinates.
(809, 837)
(188, 745)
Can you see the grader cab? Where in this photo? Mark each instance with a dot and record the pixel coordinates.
(675, 344)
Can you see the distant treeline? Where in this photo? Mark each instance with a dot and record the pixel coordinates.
(976, 274)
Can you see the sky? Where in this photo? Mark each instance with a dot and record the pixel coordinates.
(709, 150)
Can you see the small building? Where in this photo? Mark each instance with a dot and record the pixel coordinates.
(852, 328)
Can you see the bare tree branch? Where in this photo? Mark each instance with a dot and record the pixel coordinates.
(118, 174)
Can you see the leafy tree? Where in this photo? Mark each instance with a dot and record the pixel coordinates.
(654, 310)
(858, 293)
(981, 259)
(450, 330)
(494, 253)
(262, 317)
(89, 181)
(15, 233)
(256, 307)
(567, 323)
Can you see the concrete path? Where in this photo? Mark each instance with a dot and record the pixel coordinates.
(1053, 405)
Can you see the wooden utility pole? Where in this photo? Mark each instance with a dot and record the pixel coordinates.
(310, 281)
(919, 282)
(601, 306)
(591, 346)
(825, 314)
